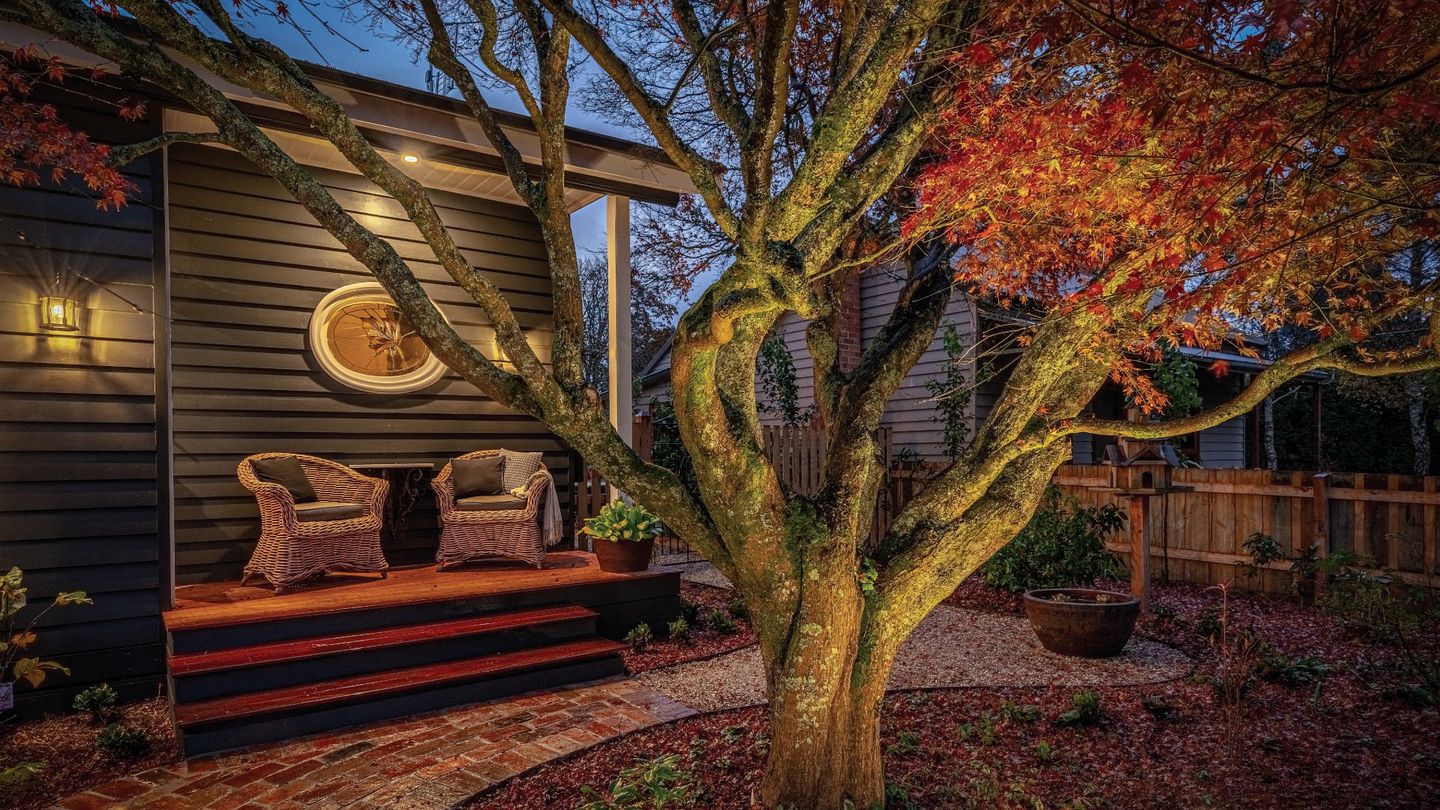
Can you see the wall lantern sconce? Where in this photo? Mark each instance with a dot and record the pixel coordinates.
(59, 314)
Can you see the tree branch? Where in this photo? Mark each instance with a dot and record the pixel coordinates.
(123, 155)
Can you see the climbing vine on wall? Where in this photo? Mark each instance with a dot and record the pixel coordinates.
(952, 396)
(775, 370)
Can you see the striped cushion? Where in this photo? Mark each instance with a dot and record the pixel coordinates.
(519, 467)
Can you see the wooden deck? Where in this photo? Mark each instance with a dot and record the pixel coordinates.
(248, 666)
(221, 604)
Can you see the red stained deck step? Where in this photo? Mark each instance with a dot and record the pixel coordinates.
(309, 648)
(372, 686)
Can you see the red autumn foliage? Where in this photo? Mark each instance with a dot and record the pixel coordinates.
(33, 139)
(1182, 169)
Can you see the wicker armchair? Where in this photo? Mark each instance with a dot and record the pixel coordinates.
(467, 534)
(339, 532)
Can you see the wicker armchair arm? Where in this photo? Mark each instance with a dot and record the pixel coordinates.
(444, 491)
(535, 490)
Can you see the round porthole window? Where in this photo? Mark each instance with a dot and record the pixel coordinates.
(361, 339)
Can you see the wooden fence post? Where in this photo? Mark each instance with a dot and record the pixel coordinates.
(1140, 552)
(1320, 500)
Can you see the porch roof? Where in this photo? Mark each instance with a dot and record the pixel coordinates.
(452, 150)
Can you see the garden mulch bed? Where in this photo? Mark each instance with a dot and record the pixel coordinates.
(71, 761)
(704, 642)
(1341, 743)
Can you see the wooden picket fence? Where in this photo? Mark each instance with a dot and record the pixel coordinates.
(1198, 535)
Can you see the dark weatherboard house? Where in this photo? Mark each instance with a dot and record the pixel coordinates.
(192, 346)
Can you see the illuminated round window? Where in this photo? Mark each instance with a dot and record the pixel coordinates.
(361, 339)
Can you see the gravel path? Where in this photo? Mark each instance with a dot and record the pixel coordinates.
(952, 647)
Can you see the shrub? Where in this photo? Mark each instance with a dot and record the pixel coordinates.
(98, 701)
(1402, 618)
(653, 784)
(1063, 545)
(639, 637)
(122, 742)
(1157, 706)
(1277, 667)
(690, 612)
(1084, 709)
(1263, 549)
(679, 630)
(736, 608)
(19, 772)
(13, 599)
(1019, 712)
(720, 622)
(1044, 751)
(906, 742)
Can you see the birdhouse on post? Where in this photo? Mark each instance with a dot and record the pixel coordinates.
(1138, 469)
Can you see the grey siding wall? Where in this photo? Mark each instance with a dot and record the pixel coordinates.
(78, 493)
(911, 413)
(248, 267)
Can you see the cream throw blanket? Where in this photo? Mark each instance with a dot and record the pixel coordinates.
(519, 468)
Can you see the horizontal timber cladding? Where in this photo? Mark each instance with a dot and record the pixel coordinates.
(78, 448)
(248, 267)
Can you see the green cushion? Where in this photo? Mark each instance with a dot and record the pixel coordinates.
(328, 510)
(287, 472)
(489, 503)
(478, 476)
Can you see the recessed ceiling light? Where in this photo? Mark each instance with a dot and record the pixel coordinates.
(410, 158)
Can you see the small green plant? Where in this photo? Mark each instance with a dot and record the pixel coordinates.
(736, 608)
(906, 742)
(720, 622)
(1157, 706)
(639, 637)
(679, 630)
(1277, 667)
(1263, 549)
(869, 575)
(1014, 712)
(122, 742)
(1208, 625)
(1084, 709)
(1063, 545)
(13, 599)
(654, 784)
(19, 772)
(897, 797)
(1044, 751)
(732, 734)
(619, 521)
(690, 612)
(988, 728)
(1371, 604)
(98, 701)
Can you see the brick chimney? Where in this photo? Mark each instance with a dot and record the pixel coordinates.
(849, 328)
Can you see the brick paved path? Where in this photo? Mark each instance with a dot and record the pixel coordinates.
(425, 762)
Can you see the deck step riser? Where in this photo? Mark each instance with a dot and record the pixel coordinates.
(203, 686)
(640, 600)
(197, 741)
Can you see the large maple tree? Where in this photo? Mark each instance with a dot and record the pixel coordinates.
(1135, 174)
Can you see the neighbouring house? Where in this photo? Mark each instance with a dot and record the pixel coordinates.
(911, 414)
(192, 348)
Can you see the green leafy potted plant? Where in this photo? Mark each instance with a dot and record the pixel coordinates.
(13, 666)
(1053, 561)
(624, 536)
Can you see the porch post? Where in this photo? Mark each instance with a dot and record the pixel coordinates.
(617, 250)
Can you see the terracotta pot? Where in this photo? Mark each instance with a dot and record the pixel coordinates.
(624, 557)
(1085, 623)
